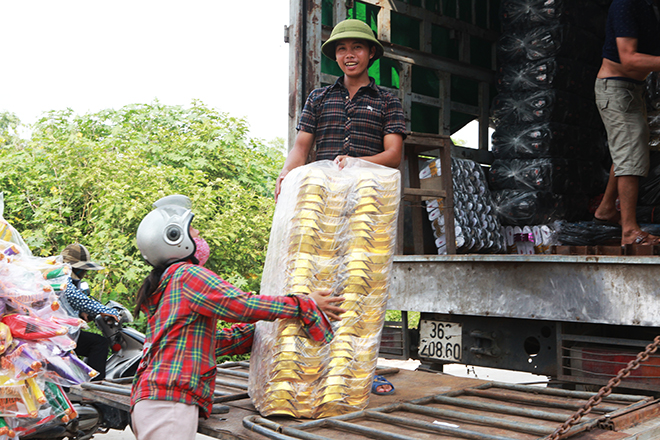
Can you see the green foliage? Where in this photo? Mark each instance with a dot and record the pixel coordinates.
(395, 315)
(92, 178)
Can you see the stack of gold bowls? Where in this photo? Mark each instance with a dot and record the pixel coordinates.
(333, 230)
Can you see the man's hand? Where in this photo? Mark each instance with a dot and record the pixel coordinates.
(325, 302)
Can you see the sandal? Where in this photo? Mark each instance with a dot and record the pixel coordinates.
(644, 238)
(601, 222)
(379, 381)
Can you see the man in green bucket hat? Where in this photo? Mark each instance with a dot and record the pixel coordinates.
(353, 117)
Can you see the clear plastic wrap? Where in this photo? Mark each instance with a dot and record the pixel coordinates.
(332, 230)
(548, 73)
(476, 225)
(544, 106)
(565, 41)
(528, 14)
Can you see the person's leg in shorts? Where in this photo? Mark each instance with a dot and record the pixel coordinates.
(623, 111)
(161, 419)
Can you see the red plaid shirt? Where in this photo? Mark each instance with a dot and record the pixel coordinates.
(178, 363)
(354, 127)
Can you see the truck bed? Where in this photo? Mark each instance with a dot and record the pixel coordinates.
(618, 290)
(426, 405)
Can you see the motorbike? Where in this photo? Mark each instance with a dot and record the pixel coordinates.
(94, 417)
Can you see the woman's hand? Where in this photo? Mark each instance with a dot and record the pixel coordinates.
(326, 303)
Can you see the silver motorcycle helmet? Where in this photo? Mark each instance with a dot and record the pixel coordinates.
(163, 236)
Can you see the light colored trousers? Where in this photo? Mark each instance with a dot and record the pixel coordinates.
(161, 419)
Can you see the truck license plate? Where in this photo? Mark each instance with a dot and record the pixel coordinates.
(440, 340)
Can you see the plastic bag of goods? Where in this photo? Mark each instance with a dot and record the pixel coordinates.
(36, 338)
(332, 230)
(543, 106)
(527, 14)
(476, 225)
(535, 141)
(554, 175)
(565, 41)
(547, 73)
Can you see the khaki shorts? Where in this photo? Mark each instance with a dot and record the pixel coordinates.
(623, 111)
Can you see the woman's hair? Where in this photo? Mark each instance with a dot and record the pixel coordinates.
(151, 283)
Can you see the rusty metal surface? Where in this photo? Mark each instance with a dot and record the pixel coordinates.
(507, 412)
(571, 288)
(501, 411)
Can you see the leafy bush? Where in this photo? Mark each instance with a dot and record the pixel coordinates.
(92, 178)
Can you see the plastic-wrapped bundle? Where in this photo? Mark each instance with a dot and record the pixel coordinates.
(35, 337)
(543, 106)
(529, 239)
(534, 141)
(540, 42)
(332, 230)
(648, 214)
(528, 14)
(476, 225)
(522, 207)
(649, 186)
(654, 129)
(653, 91)
(554, 175)
(546, 140)
(587, 234)
(557, 73)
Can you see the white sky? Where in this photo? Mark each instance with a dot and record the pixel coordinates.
(90, 55)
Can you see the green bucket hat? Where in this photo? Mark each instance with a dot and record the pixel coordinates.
(351, 29)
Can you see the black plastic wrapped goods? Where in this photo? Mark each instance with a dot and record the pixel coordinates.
(554, 175)
(535, 141)
(527, 14)
(544, 106)
(556, 73)
(587, 234)
(649, 186)
(653, 92)
(519, 207)
(541, 42)
(648, 214)
(654, 128)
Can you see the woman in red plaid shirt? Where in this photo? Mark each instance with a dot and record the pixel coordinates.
(183, 301)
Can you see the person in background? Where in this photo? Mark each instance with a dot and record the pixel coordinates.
(90, 345)
(631, 51)
(353, 117)
(183, 302)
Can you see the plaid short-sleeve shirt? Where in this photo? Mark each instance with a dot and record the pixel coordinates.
(353, 127)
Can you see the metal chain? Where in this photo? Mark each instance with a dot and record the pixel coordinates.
(605, 391)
